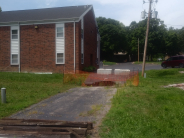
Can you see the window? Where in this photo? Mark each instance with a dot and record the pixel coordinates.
(14, 58)
(60, 32)
(14, 34)
(181, 57)
(169, 59)
(82, 58)
(14, 45)
(60, 43)
(82, 33)
(60, 57)
(175, 58)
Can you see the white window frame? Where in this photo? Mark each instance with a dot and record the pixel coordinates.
(15, 52)
(14, 59)
(58, 58)
(57, 38)
(14, 34)
(59, 32)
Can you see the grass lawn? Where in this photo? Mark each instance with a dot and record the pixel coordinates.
(24, 89)
(109, 63)
(149, 110)
(149, 62)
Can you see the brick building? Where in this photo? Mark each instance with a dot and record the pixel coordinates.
(63, 39)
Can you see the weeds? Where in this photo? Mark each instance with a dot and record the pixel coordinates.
(148, 110)
(93, 111)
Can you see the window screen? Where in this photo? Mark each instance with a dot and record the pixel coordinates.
(60, 57)
(14, 34)
(14, 58)
(59, 31)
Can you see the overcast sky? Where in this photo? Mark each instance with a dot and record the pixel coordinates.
(125, 11)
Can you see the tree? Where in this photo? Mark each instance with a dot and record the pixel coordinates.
(0, 9)
(171, 43)
(180, 34)
(113, 37)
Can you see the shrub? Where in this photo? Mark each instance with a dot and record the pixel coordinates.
(89, 68)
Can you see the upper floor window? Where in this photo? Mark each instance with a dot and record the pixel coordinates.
(60, 32)
(14, 34)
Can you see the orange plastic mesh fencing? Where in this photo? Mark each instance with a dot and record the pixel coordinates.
(94, 79)
(77, 78)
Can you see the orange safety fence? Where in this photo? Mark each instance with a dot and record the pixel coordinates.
(94, 79)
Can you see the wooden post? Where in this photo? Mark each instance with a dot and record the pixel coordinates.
(146, 40)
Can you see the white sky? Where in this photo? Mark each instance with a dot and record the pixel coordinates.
(125, 11)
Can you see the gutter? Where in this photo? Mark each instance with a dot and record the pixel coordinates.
(74, 44)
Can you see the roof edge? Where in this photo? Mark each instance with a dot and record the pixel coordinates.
(44, 8)
(74, 19)
(91, 7)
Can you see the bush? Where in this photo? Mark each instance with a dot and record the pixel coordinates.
(89, 69)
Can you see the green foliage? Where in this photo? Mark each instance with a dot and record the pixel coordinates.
(108, 63)
(115, 37)
(149, 110)
(89, 69)
(180, 34)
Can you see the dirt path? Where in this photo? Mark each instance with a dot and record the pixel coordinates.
(77, 104)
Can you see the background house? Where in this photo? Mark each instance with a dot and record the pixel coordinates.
(49, 40)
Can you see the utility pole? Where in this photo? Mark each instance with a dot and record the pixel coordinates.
(146, 40)
(138, 50)
(155, 13)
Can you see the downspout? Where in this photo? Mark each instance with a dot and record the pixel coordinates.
(19, 46)
(74, 45)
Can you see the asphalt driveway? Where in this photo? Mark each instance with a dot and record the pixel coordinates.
(131, 66)
(72, 105)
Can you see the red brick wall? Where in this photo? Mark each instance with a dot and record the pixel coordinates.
(69, 47)
(78, 45)
(38, 49)
(5, 64)
(90, 40)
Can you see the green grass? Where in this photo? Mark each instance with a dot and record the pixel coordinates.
(23, 90)
(92, 112)
(149, 62)
(149, 110)
(109, 63)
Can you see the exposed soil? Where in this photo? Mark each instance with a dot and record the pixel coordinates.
(181, 86)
